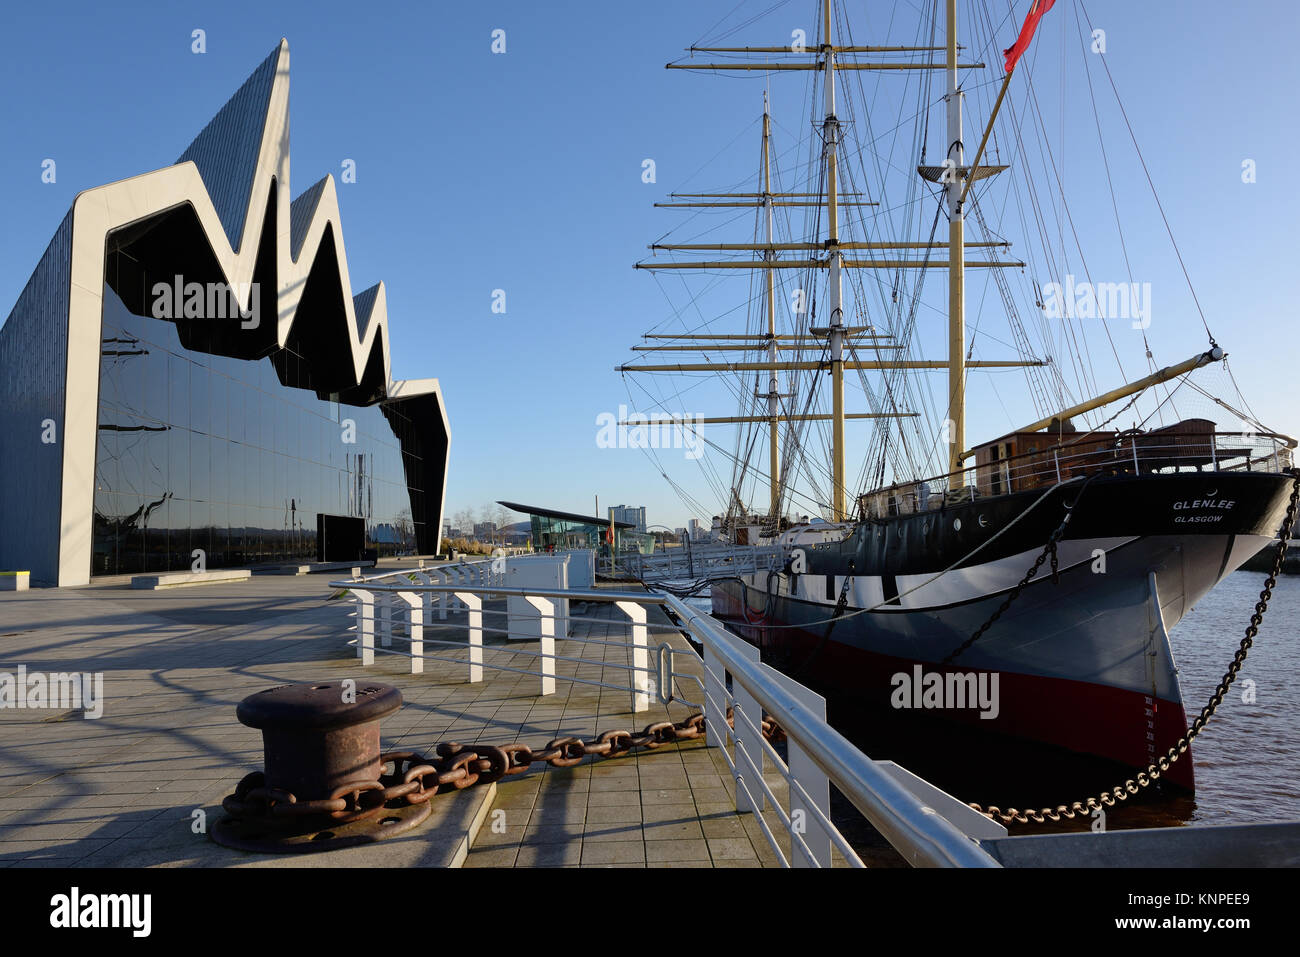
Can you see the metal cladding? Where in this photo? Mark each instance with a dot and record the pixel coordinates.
(232, 188)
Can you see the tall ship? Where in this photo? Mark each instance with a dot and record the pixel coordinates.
(1025, 585)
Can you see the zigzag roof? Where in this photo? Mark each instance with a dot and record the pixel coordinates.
(238, 157)
(235, 179)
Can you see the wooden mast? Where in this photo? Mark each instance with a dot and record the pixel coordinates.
(830, 138)
(773, 393)
(955, 432)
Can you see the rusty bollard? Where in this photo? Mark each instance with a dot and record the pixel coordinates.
(322, 784)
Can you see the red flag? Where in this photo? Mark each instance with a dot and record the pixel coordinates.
(1035, 14)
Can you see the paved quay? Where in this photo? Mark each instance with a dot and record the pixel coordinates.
(132, 787)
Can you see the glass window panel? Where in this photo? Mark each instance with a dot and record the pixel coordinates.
(218, 399)
(265, 421)
(235, 410)
(152, 449)
(156, 395)
(200, 468)
(106, 461)
(200, 399)
(178, 387)
(219, 474)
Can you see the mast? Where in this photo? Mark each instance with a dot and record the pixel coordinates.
(956, 431)
(828, 253)
(773, 399)
(830, 136)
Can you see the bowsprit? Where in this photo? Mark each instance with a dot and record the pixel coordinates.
(322, 786)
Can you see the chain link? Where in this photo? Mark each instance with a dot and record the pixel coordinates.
(1162, 764)
(415, 779)
(1049, 551)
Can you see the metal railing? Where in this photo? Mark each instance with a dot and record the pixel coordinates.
(724, 677)
(1133, 453)
(696, 563)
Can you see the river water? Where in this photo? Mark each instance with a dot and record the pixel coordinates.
(1248, 756)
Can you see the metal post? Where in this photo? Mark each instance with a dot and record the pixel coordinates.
(384, 601)
(365, 626)
(640, 655)
(475, 633)
(426, 606)
(814, 786)
(749, 749)
(715, 694)
(444, 599)
(546, 663)
(415, 605)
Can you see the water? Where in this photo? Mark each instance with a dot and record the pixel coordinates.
(1247, 758)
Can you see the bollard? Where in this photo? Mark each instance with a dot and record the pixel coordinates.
(322, 783)
(313, 741)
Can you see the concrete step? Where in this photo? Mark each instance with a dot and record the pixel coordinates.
(185, 579)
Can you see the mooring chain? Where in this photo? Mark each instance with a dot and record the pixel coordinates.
(1153, 771)
(1049, 551)
(416, 778)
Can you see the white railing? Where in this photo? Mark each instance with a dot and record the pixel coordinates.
(725, 676)
(695, 563)
(1077, 455)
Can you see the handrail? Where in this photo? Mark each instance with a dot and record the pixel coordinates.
(577, 594)
(920, 834)
(915, 830)
(1078, 439)
(1127, 451)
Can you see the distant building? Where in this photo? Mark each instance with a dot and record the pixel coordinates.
(484, 529)
(695, 529)
(681, 534)
(551, 529)
(633, 515)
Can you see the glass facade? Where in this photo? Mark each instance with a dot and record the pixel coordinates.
(235, 457)
(554, 534)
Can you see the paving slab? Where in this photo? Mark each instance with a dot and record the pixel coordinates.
(138, 785)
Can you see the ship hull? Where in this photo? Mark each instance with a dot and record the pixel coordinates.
(1083, 663)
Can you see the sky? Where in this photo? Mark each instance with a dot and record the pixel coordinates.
(524, 171)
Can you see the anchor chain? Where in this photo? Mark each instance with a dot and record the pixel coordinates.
(1153, 771)
(415, 779)
(1049, 551)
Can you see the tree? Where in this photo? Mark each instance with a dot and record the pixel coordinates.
(503, 518)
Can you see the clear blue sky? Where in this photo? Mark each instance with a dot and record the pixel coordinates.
(528, 166)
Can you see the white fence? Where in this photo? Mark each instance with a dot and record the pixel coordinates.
(726, 676)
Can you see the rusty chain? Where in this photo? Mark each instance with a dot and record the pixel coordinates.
(415, 778)
(1153, 771)
(1049, 551)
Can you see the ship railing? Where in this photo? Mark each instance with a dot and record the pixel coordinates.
(1135, 453)
(695, 563)
(717, 674)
